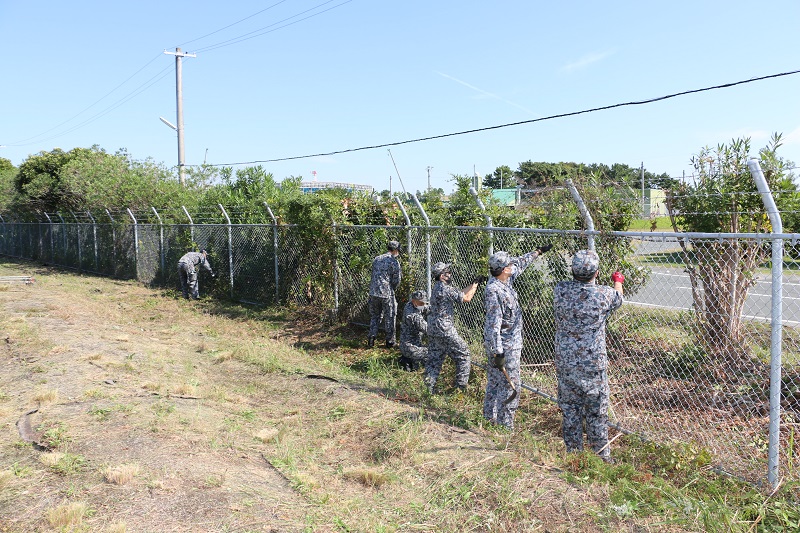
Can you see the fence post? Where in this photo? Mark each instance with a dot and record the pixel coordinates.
(52, 244)
(427, 240)
(191, 223)
(3, 221)
(478, 201)
(335, 272)
(135, 243)
(408, 230)
(64, 231)
(160, 243)
(94, 239)
(587, 217)
(777, 319)
(275, 248)
(230, 246)
(78, 234)
(113, 243)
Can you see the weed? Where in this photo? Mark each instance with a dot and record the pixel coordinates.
(117, 527)
(249, 415)
(21, 470)
(121, 474)
(101, 413)
(54, 436)
(68, 515)
(95, 394)
(68, 463)
(214, 481)
(163, 408)
(368, 478)
(46, 396)
(5, 478)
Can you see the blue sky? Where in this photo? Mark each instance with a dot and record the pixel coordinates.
(365, 73)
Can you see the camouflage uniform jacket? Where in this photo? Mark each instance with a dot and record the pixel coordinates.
(385, 276)
(414, 325)
(195, 259)
(581, 310)
(444, 297)
(503, 327)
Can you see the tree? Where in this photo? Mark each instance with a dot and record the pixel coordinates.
(501, 178)
(724, 199)
(7, 174)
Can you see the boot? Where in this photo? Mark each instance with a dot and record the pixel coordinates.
(371, 341)
(390, 344)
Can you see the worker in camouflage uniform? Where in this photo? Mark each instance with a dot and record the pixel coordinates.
(502, 334)
(382, 303)
(581, 309)
(187, 271)
(413, 327)
(443, 339)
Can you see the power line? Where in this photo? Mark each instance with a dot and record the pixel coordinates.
(18, 143)
(229, 25)
(243, 37)
(530, 121)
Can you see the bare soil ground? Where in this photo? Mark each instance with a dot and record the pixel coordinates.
(223, 424)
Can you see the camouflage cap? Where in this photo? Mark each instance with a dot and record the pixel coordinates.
(393, 245)
(419, 296)
(584, 264)
(439, 268)
(499, 260)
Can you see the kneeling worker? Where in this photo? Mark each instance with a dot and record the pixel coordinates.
(414, 352)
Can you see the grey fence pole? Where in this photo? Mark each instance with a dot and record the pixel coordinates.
(135, 242)
(587, 217)
(94, 239)
(64, 231)
(52, 244)
(275, 248)
(191, 223)
(777, 319)
(160, 243)
(408, 229)
(78, 233)
(335, 272)
(478, 201)
(113, 242)
(3, 221)
(230, 245)
(427, 240)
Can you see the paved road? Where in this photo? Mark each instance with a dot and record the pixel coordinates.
(670, 288)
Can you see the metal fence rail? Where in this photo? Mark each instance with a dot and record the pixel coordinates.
(668, 382)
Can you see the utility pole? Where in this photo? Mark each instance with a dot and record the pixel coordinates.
(179, 99)
(429, 178)
(643, 210)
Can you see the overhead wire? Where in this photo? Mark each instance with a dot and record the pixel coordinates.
(230, 25)
(510, 124)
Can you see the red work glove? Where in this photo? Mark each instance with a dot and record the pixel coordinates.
(617, 277)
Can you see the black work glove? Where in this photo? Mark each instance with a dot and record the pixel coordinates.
(545, 248)
(406, 363)
(499, 361)
(477, 280)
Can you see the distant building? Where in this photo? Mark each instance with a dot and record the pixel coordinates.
(654, 203)
(507, 197)
(313, 186)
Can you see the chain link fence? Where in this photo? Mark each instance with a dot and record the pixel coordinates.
(689, 350)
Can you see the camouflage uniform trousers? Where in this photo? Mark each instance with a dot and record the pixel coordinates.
(189, 284)
(418, 354)
(498, 389)
(584, 396)
(438, 347)
(382, 309)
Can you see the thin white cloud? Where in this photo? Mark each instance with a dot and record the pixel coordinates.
(792, 138)
(486, 94)
(587, 60)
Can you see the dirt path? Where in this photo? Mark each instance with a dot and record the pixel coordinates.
(217, 418)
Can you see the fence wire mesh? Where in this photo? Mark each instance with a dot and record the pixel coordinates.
(689, 350)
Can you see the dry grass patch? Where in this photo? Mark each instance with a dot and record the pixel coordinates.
(68, 515)
(223, 356)
(184, 389)
(5, 478)
(94, 357)
(368, 477)
(95, 394)
(45, 395)
(117, 527)
(50, 459)
(268, 435)
(121, 474)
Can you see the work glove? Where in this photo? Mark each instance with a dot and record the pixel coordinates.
(617, 277)
(213, 275)
(545, 248)
(499, 361)
(406, 363)
(477, 280)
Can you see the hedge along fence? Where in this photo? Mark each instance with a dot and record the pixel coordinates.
(664, 384)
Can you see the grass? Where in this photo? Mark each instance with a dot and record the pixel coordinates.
(644, 224)
(68, 515)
